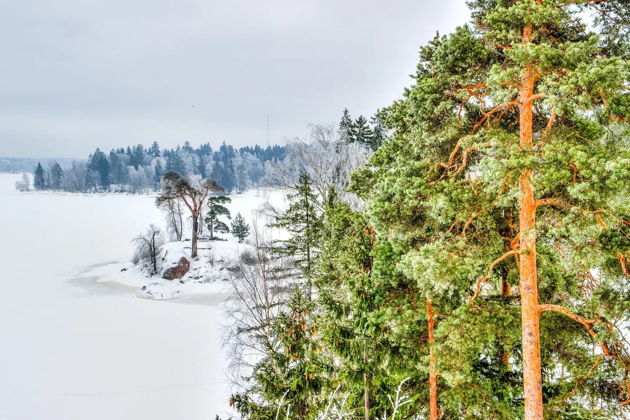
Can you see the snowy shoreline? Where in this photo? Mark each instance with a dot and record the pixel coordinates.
(77, 340)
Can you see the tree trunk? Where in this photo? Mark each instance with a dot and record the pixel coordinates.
(434, 410)
(530, 312)
(506, 291)
(366, 395)
(195, 231)
(180, 228)
(153, 253)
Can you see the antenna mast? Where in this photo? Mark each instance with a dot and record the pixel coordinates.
(267, 130)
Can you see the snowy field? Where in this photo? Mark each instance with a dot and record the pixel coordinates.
(73, 347)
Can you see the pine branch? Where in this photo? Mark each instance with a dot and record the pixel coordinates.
(585, 322)
(485, 278)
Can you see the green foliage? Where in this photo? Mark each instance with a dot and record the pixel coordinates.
(302, 221)
(217, 209)
(444, 191)
(99, 164)
(39, 181)
(240, 228)
(363, 322)
(290, 378)
(441, 224)
(369, 134)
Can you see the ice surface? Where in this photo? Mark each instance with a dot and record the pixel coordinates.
(76, 341)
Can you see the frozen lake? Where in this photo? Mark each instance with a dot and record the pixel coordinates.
(69, 354)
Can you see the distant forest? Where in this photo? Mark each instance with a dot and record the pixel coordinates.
(137, 169)
(17, 165)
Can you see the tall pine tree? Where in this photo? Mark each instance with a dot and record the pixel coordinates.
(503, 185)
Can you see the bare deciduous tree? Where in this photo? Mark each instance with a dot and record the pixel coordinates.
(174, 219)
(326, 158)
(148, 247)
(261, 288)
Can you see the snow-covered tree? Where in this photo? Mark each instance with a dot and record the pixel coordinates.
(176, 187)
(240, 228)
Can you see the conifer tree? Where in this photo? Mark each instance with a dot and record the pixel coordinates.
(303, 222)
(39, 181)
(175, 163)
(363, 134)
(158, 171)
(346, 127)
(289, 379)
(154, 150)
(56, 176)
(240, 228)
(359, 303)
(100, 165)
(217, 209)
(505, 169)
(379, 131)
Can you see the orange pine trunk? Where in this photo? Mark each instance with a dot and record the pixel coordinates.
(530, 312)
(506, 290)
(434, 410)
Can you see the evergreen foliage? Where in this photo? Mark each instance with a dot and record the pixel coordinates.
(447, 190)
(56, 177)
(487, 274)
(217, 209)
(290, 378)
(39, 180)
(99, 164)
(366, 320)
(302, 220)
(136, 169)
(240, 228)
(368, 134)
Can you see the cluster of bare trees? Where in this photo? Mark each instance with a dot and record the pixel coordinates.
(148, 248)
(326, 158)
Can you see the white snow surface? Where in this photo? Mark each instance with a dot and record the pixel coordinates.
(78, 337)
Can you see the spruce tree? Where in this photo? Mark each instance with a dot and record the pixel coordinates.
(363, 133)
(289, 380)
(240, 228)
(39, 181)
(217, 209)
(346, 127)
(303, 223)
(100, 165)
(175, 163)
(154, 150)
(379, 131)
(364, 324)
(503, 186)
(56, 177)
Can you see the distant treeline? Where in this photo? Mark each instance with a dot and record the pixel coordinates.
(17, 165)
(138, 169)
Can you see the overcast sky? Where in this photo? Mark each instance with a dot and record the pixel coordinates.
(77, 74)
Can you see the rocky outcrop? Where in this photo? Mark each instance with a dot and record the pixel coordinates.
(177, 271)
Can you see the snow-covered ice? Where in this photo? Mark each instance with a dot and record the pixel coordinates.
(76, 340)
